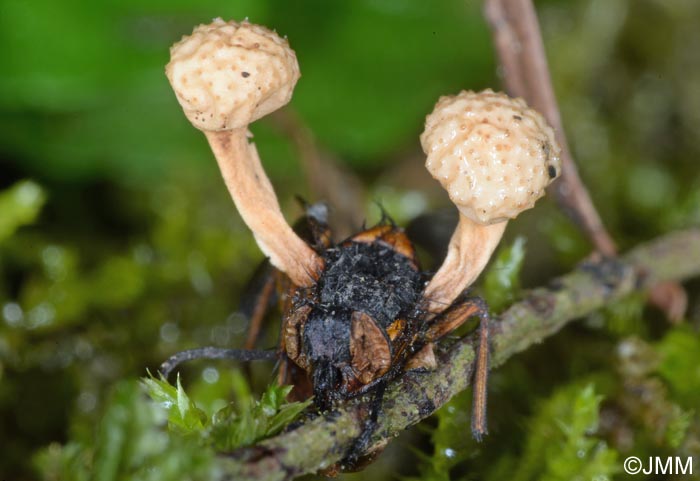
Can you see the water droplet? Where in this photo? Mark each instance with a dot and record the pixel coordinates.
(413, 203)
(83, 349)
(199, 275)
(143, 254)
(41, 315)
(27, 194)
(87, 401)
(13, 314)
(210, 375)
(169, 332)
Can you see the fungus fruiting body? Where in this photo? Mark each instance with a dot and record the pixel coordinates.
(494, 156)
(359, 312)
(225, 76)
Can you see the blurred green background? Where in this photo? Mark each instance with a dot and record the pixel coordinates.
(119, 244)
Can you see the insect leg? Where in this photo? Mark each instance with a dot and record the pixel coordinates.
(262, 304)
(258, 296)
(481, 373)
(245, 355)
(361, 444)
(454, 317)
(450, 320)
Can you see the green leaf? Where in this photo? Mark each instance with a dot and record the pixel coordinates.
(71, 462)
(117, 282)
(286, 413)
(241, 391)
(450, 443)
(502, 284)
(625, 316)
(20, 205)
(183, 414)
(238, 424)
(678, 425)
(130, 445)
(680, 364)
(234, 428)
(561, 444)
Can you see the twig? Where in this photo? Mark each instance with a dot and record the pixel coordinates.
(518, 41)
(516, 35)
(327, 179)
(318, 443)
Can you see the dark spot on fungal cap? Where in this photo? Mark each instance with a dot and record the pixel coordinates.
(517, 117)
(245, 74)
(552, 171)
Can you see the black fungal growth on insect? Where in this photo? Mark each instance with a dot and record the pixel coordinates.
(369, 278)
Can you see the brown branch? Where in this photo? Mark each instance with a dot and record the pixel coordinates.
(516, 35)
(323, 441)
(518, 41)
(327, 179)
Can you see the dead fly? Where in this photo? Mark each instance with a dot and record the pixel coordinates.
(363, 323)
(359, 313)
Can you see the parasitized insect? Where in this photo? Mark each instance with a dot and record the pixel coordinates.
(358, 313)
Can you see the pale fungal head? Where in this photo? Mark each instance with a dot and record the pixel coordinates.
(225, 76)
(228, 74)
(492, 154)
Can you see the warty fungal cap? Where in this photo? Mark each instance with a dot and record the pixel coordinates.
(225, 76)
(228, 74)
(492, 153)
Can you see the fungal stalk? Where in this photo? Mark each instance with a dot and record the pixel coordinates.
(494, 156)
(225, 76)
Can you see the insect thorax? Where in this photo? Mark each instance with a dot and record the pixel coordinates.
(347, 335)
